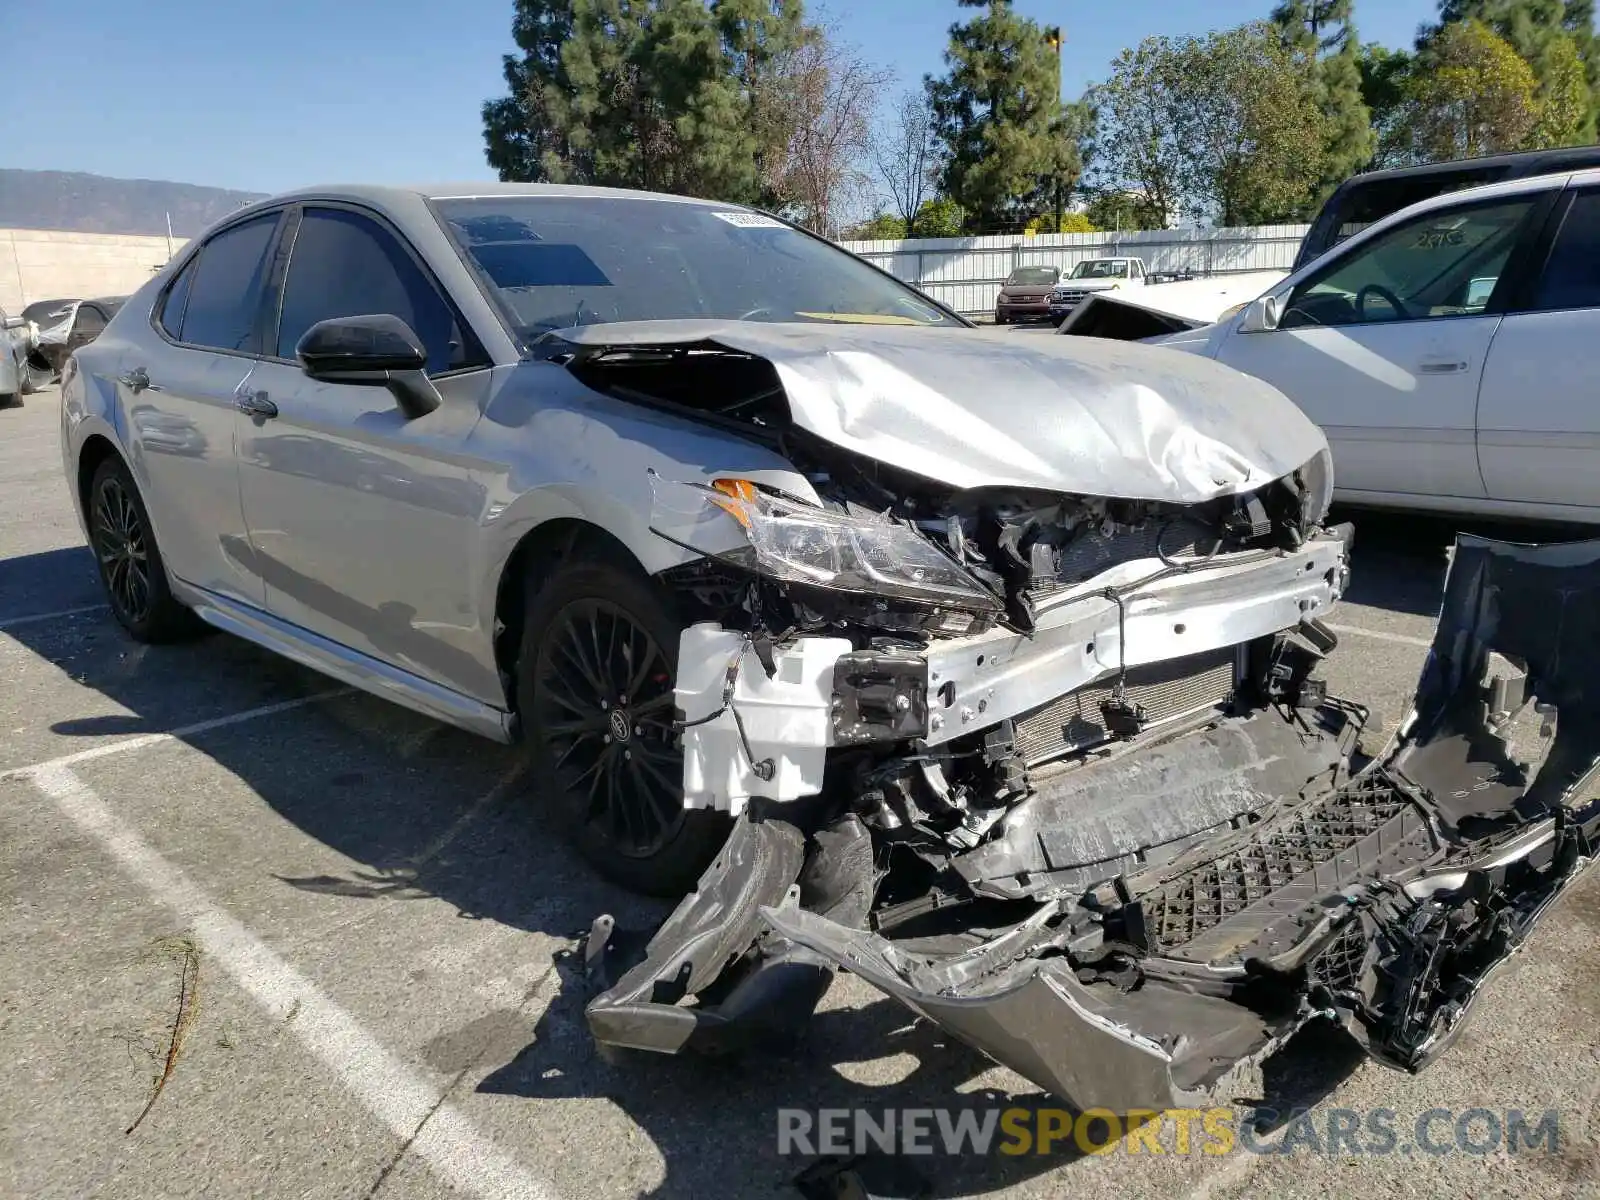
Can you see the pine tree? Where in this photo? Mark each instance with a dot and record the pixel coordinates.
(520, 131)
(1539, 31)
(1323, 31)
(997, 113)
(669, 95)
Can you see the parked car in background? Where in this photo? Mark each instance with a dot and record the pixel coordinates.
(1356, 204)
(1091, 276)
(64, 326)
(1365, 199)
(1025, 295)
(16, 339)
(1447, 351)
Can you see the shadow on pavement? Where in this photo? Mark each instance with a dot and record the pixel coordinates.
(47, 582)
(716, 1120)
(1400, 559)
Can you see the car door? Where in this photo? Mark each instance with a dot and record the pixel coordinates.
(1538, 409)
(365, 521)
(1384, 346)
(178, 390)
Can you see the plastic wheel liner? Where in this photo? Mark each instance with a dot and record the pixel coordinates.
(1141, 968)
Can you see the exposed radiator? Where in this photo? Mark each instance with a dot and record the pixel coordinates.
(1164, 690)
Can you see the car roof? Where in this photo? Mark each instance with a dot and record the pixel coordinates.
(1524, 161)
(392, 196)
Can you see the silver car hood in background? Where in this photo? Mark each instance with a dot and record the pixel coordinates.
(974, 408)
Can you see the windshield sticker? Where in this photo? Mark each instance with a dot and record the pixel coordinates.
(750, 220)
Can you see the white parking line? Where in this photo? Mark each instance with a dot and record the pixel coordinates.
(32, 618)
(172, 735)
(1400, 639)
(406, 1103)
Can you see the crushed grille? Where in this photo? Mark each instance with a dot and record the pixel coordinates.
(1184, 908)
(1165, 690)
(1338, 968)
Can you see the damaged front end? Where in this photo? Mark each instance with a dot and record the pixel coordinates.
(1119, 846)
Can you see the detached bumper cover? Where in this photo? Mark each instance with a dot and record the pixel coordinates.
(1385, 901)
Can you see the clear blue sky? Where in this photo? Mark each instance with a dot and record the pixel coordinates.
(268, 96)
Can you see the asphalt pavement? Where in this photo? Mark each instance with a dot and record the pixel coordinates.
(262, 936)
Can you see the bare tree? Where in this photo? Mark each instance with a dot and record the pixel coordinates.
(832, 96)
(906, 156)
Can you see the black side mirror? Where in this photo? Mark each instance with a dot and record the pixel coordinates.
(377, 349)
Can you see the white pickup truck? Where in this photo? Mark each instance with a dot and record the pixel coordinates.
(1094, 275)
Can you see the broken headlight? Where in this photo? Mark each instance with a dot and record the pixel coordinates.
(795, 542)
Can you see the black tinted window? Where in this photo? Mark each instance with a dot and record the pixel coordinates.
(345, 265)
(225, 296)
(177, 299)
(90, 321)
(1572, 276)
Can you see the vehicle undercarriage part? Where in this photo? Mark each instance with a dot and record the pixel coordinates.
(1141, 923)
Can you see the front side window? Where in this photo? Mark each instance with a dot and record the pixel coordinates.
(224, 295)
(553, 262)
(1571, 276)
(346, 265)
(1442, 264)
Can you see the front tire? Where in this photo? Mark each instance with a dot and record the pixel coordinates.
(595, 680)
(131, 570)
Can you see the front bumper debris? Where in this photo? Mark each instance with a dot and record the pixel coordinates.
(766, 729)
(1144, 930)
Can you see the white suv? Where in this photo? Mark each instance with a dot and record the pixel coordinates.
(1445, 351)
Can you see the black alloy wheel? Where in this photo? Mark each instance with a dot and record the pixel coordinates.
(125, 551)
(596, 694)
(122, 546)
(604, 703)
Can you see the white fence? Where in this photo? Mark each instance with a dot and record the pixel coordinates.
(966, 273)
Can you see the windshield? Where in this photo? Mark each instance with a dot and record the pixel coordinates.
(1032, 277)
(553, 262)
(1100, 270)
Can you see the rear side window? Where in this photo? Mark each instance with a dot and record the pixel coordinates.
(90, 322)
(171, 317)
(1571, 276)
(346, 265)
(225, 294)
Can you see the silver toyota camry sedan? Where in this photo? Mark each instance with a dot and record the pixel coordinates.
(989, 669)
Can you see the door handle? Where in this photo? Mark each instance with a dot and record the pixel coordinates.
(138, 380)
(1436, 366)
(255, 404)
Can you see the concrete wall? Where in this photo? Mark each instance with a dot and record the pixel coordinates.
(49, 264)
(966, 273)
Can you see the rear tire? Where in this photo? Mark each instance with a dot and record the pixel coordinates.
(595, 679)
(131, 570)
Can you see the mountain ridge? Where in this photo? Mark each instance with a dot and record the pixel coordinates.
(80, 202)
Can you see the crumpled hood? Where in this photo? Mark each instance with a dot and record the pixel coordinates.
(978, 408)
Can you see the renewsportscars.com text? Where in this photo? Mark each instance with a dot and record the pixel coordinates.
(1179, 1131)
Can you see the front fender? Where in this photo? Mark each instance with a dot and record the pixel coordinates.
(553, 449)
